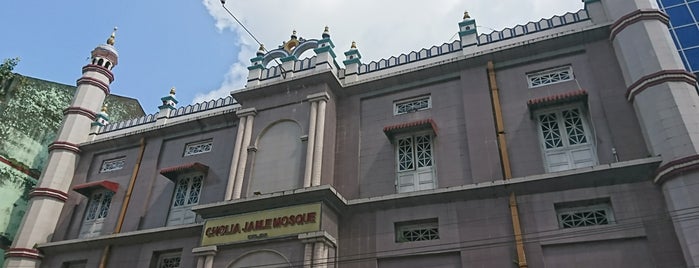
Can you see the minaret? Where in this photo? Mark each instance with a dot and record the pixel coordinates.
(352, 62)
(101, 120)
(169, 104)
(47, 199)
(468, 33)
(665, 99)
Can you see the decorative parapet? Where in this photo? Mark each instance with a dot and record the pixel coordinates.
(182, 111)
(299, 66)
(533, 27)
(483, 39)
(413, 56)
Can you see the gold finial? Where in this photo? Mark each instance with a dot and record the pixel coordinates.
(293, 32)
(327, 29)
(354, 45)
(104, 108)
(466, 16)
(110, 41)
(172, 91)
(262, 47)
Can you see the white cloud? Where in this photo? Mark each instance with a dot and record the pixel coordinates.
(380, 28)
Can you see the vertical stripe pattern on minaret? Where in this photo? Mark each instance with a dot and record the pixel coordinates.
(47, 199)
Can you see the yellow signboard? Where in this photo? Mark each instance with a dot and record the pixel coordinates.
(262, 224)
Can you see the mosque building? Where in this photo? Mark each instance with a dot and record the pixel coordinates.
(572, 141)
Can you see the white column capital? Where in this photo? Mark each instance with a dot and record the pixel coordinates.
(318, 97)
(245, 112)
(205, 251)
(319, 236)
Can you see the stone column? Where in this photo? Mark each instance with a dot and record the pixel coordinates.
(205, 256)
(242, 163)
(316, 133)
(317, 246)
(310, 145)
(236, 157)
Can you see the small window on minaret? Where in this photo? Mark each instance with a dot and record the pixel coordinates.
(100, 61)
(107, 65)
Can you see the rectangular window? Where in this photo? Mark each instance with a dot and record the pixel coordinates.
(113, 164)
(187, 192)
(97, 211)
(199, 147)
(415, 161)
(551, 76)
(169, 260)
(412, 105)
(412, 231)
(75, 264)
(565, 139)
(584, 213)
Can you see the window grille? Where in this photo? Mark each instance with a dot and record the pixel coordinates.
(549, 77)
(96, 213)
(417, 231)
(414, 161)
(199, 147)
(581, 216)
(113, 164)
(187, 194)
(565, 139)
(171, 260)
(412, 105)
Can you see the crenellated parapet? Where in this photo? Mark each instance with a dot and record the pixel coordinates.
(469, 44)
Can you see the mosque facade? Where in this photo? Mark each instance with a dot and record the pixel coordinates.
(568, 142)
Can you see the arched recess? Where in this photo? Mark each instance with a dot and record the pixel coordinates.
(309, 44)
(277, 53)
(261, 258)
(277, 163)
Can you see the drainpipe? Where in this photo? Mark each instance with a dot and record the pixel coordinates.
(505, 161)
(122, 214)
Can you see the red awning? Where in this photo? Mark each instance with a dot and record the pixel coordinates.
(87, 188)
(424, 124)
(567, 97)
(172, 172)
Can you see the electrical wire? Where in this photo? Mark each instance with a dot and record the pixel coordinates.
(223, 4)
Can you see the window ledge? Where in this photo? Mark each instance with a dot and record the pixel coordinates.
(612, 231)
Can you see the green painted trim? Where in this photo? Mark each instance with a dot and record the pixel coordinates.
(258, 58)
(589, 1)
(468, 22)
(325, 49)
(167, 106)
(353, 52)
(169, 97)
(467, 32)
(96, 124)
(348, 62)
(289, 58)
(327, 40)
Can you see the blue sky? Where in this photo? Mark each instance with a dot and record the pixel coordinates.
(194, 45)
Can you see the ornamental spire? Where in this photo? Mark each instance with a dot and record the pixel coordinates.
(110, 40)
